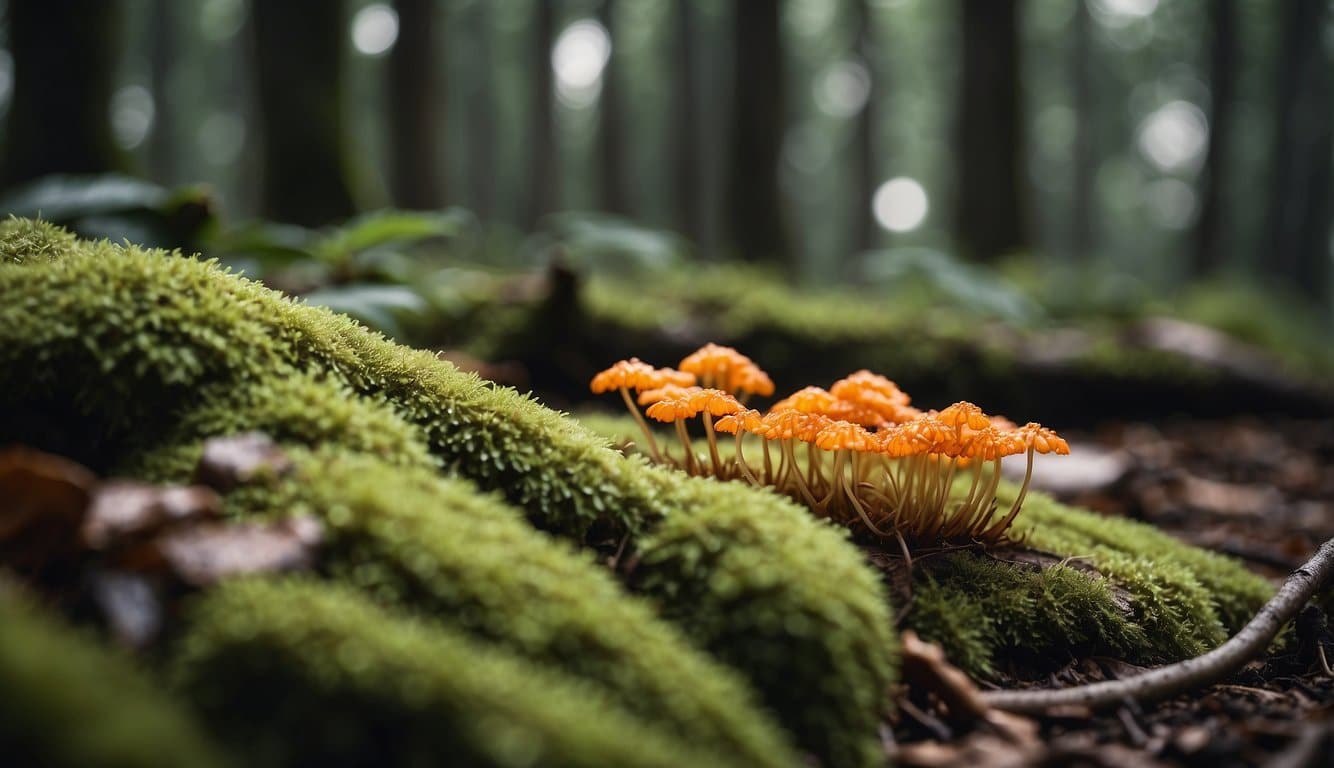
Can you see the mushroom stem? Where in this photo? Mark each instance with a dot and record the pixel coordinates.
(741, 460)
(692, 462)
(713, 444)
(1018, 504)
(643, 425)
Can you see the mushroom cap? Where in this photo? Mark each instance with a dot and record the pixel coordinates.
(926, 434)
(990, 443)
(1041, 439)
(844, 436)
(792, 425)
(728, 369)
(964, 414)
(637, 375)
(806, 400)
(746, 420)
(650, 396)
(716, 402)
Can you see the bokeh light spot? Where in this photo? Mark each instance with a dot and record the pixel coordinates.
(375, 29)
(578, 58)
(900, 205)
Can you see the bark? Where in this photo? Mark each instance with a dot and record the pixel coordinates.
(161, 58)
(1304, 584)
(866, 234)
(990, 193)
(481, 115)
(686, 149)
(414, 90)
(541, 193)
(755, 210)
(64, 58)
(1299, 214)
(612, 192)
(1082, 235)
(1210, 253)
(298, 81)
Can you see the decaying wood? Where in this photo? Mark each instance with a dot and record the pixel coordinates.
(1304, 583)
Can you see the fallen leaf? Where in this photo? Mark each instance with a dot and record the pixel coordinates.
(43, 499)
(235, 460)
(204, 554)
(123, 509)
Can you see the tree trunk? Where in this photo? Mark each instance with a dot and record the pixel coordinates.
(755, 210)
(64, 57)
(415, 95)
(990, 193)
(1082, 235)
(481, 115)
(542, 176)
(1210, 253)
(866, 234)
(298, 78)
(162, 55)
(612, 193)
(1299, 213)
(686, 146)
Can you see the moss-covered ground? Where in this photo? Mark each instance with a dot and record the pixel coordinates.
(740, 630)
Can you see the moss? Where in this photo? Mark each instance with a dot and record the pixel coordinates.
(435, 545)
(773, 591)
(293, 408)
(68, 702)
(105, 348)
(305, 673)
(25, 240)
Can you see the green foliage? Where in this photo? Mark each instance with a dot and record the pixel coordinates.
(105, 348)
(69, 702)
(118, 208)
(305, 673)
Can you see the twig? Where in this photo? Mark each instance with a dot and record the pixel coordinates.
(1250, 642)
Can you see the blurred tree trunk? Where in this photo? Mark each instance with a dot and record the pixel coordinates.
(866, 233)
(755, 216)
(1210, 253)
(415, 94)
(1299, 214)
(611, 145)
(481, 114)
(1082, 235)
(990, 193)
(542, 177)
(299, 84)
(687, 148)
(161, 58)
(64, 58)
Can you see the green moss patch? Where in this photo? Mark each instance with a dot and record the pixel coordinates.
(68, 702)
(301, 673)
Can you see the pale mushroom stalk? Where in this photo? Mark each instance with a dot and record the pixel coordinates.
(643, 425)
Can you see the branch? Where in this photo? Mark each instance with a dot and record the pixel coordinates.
(1250, 642)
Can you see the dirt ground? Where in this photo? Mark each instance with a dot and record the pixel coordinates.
(1259, 490)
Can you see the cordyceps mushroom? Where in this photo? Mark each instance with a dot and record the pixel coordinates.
(727, 369)
(743, 421)
(1037, 439)
(625, 375)
(676, 407)
(851, 442)
(874, 393)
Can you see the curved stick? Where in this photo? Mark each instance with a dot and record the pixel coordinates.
(1304, 583)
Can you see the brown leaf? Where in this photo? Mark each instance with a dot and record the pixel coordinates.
(122, 509)
(203, 554)
(43, 499)
(235, 460)
(925, 669)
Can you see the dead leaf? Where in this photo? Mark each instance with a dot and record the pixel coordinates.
(130, 604)
(203, 554)
(924, 668)
(235, 460)
(43, 499)
(123, 509)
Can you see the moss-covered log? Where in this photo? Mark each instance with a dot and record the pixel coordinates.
(103, 351)
(69, 703)
(301, 673)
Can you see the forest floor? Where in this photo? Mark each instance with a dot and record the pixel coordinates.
(1259, 490)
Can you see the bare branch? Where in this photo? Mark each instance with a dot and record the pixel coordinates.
(1250, 642)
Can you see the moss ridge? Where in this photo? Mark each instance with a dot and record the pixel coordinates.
(264, 660)
(69, 702)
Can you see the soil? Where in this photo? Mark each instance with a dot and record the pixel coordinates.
(1259, 490)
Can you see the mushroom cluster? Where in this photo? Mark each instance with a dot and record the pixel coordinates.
(857, 453)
